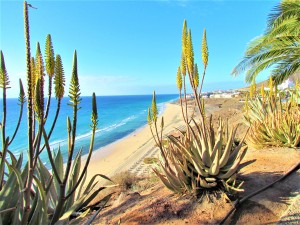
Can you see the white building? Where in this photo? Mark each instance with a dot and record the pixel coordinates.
(286, 84)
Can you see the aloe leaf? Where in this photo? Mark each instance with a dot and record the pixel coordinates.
(80, 191)
(89, 198)
(88, 187)
(40, 212)
(165, 181)
(48, 183)
(13, 158)
(235, 165)
(215, 166)
(59, 165)
(227, 150)
(12, 198)
(105, 200)
(73, 177)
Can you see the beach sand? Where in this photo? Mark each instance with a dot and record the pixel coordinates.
(128, 153)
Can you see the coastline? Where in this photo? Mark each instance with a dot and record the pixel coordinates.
(128, 153)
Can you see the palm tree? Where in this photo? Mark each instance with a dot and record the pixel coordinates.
(278, 47)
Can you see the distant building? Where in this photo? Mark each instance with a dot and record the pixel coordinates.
(286, 84)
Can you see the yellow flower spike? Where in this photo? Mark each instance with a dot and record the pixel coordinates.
(179, 79)
(154, 108)
(271, 86)
(183, 64)
(190, 53)
(204, 50)
(184, 38)
(196, 76)
(149, 118)
(33, 74)
(162, 124)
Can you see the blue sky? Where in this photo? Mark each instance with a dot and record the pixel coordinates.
(133, 47)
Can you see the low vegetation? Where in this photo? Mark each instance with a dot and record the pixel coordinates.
(125, 181)
(201, 158)
(273, 117)
(31, 193)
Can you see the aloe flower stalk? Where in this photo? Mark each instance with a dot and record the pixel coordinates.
(154, 108)
(204, 57)
(4, 84)
(184, 41)
(59, 82)
(30, 118)
(204, 50)
(50, 68)
(190, 54)
(196, 76)
(271, 86)
(33, 73)
(179, 86)
(149, 117)
(179, 79)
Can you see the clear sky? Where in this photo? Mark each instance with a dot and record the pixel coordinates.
(133, 47)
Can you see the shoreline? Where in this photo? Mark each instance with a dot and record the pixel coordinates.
(128, 152)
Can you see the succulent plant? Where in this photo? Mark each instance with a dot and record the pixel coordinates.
(31, 193)
(273, 121)
(201, 158)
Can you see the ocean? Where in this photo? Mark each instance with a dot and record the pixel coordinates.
(118, 117)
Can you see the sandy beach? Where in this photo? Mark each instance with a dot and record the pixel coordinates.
(129, 152)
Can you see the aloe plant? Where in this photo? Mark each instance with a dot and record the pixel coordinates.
(31, 193)
(201, 158)
(272, 121)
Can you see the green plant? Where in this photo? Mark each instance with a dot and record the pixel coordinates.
(200, 158)
(31, 194)
(278, 47)
(272, 121)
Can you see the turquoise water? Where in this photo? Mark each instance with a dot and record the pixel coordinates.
(118, 117)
